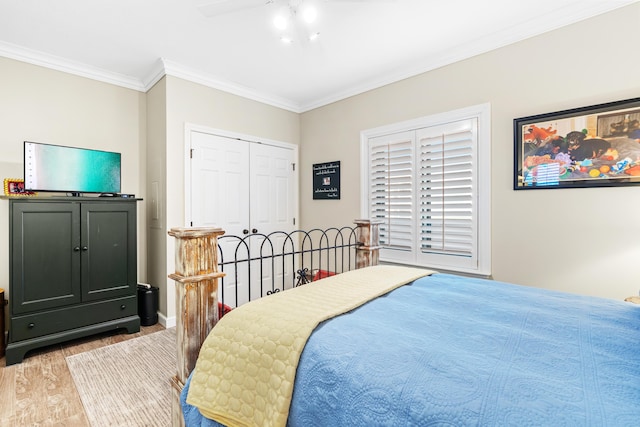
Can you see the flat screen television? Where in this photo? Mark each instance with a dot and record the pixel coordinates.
(60, 169)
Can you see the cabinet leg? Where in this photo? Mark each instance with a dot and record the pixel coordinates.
(14, 355)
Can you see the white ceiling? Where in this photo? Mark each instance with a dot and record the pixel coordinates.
(363, 44)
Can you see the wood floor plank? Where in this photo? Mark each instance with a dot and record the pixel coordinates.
(45, 393)
(40, 391)
(63, 399)
(7, 394)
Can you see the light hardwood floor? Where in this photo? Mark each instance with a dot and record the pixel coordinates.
(40, 391)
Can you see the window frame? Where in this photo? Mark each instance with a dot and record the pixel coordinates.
(482, 113)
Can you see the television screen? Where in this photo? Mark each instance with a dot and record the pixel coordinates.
(63, 169)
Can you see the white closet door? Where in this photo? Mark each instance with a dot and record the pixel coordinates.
(219, 198)
(219, 182)
(244, 188)
(272, 210)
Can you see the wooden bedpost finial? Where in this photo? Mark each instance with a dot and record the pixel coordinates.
(196, 276)
(368, 235)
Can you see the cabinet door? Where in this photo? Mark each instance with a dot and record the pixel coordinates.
(45, 255)
(109, 258)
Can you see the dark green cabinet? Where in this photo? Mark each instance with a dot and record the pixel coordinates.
(72, 270)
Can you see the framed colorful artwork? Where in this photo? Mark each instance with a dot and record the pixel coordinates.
(595, 146)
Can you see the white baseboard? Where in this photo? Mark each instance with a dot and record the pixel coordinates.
(167, 322)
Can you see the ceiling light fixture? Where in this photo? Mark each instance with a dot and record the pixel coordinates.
(281, 22)
(289, 22)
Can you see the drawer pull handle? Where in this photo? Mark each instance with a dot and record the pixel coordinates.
(31, 325)
(122, 307)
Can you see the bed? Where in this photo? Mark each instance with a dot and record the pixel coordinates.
(199, 277)
(451, 350)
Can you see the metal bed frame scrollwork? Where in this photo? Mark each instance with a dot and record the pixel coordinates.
(286, 260)
(200, 267)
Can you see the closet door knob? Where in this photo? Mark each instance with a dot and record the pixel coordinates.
(76, 249)
(84, 248)
(245, 231)
(255, 230)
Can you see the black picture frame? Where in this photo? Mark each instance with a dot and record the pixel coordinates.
(326, 181)
(594, 146)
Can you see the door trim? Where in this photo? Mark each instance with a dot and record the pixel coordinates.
(189, 128)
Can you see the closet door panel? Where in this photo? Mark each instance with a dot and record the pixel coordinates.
(248, 190)
(220, 198)
(219, 182)
(272, 210)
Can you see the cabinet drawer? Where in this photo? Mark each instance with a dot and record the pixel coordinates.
(64, 319)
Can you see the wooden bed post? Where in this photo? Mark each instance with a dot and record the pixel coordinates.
(368, 235)
(196, 280)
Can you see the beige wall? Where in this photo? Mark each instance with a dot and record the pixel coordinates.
(43, 105)
(191, 103)
(576, 240)
(156, 158)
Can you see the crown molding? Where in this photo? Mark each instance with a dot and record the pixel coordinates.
(550, 22)
(35, 57)
(164, 66)
(155, 75)
(161, 68)
(174, 69)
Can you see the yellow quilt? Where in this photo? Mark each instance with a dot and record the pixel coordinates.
(247, 365)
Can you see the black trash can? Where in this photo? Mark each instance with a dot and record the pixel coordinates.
(147, 305)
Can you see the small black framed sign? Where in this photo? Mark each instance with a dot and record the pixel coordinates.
(326, 181)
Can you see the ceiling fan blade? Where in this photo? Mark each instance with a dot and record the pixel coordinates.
(219, 7)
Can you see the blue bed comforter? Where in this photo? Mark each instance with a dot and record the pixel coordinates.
(448, 350)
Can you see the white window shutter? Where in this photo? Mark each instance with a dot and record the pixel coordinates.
(447, 182)
(429, 181)
(391, 189)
